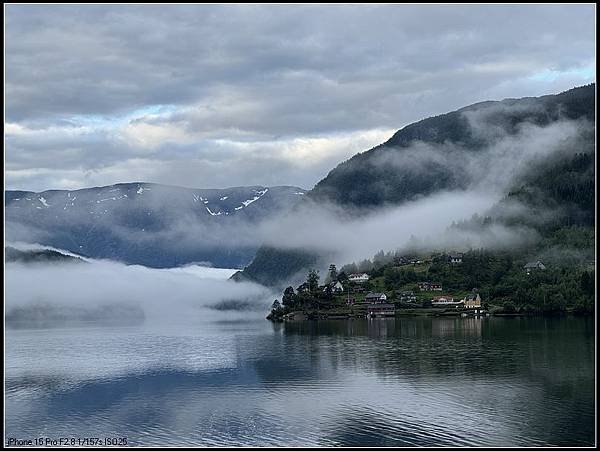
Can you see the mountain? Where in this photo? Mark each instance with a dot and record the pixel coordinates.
(13, 255)
(272, 266)
(478, 144)
(148, 224)
(365, 180)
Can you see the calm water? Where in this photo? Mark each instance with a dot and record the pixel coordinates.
(413, 381)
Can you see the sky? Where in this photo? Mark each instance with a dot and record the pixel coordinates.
(210, 96)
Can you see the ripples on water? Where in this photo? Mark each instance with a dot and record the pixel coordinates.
(402, 382)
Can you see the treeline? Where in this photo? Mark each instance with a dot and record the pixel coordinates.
(308, 296)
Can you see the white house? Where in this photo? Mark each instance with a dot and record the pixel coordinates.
(445, 301)
(338, 287)
(359, 278)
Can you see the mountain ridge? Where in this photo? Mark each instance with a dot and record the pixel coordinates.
(146, 223)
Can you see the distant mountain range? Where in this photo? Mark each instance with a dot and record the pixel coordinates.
(148, 224)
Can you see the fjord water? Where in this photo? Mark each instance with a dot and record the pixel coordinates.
(402, 381)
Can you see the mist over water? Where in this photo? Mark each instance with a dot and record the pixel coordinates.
(158, 295)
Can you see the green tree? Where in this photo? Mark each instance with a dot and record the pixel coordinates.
(333, 274)
(328, 293)
(509, 307)
(587, 283)
(313, 280)
(288, 297)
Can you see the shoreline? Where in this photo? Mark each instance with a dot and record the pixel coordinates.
(314, 316)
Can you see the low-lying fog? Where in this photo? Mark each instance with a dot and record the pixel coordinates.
(42, 293)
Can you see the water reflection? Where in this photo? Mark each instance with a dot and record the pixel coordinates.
(397, 381)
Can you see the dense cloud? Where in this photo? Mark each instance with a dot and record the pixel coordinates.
(209, 96)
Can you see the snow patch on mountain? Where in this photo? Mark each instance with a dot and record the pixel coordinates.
(259, 194)
(213, 214)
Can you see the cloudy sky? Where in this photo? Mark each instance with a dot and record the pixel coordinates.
(217, 96)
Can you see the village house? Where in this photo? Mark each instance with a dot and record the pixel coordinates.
(358, 278)
(428, 286)
(408, 296)
(376, 298)
(445, 301)
(534, 266)
(401, 261)
(472, 300)
(382, 309)
(336, 287)
(456, 258)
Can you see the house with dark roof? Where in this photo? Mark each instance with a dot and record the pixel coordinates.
(534, 266)
(472, 300)
(335, 287)
(408, 296)
(381, 309)
(455, 258)
(429, 286)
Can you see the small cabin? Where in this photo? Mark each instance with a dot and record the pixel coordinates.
(336, 287)
(408, 296)
(456, 258)
(401, 261)
(534, 266)
(428, 286)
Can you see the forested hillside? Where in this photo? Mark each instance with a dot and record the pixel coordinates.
(364, 181)
(466, 150)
